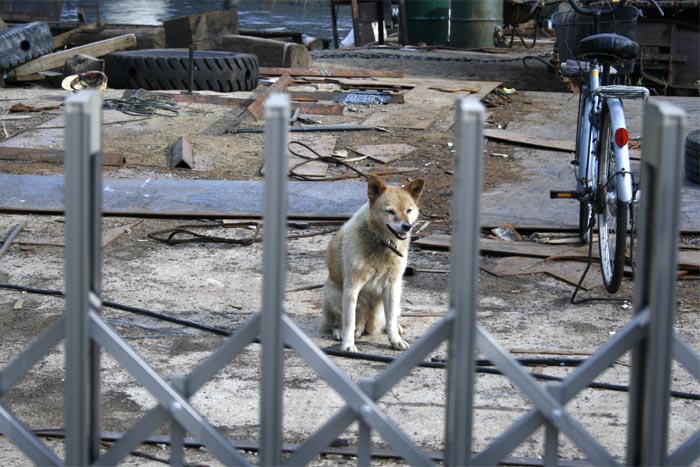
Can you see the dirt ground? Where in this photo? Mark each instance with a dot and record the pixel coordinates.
(218, 284)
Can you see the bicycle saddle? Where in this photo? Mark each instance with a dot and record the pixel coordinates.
(607, 46)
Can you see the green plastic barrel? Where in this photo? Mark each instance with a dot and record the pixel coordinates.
(473, 22)
(427, 21)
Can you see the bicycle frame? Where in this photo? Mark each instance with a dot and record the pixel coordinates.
(588, 137)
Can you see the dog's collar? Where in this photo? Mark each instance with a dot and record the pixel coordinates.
(388, 244)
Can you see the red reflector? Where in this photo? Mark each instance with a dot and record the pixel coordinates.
(621, 136)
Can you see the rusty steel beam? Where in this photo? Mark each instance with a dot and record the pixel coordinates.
(330, 72)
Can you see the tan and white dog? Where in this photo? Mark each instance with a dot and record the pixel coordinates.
(366, 261)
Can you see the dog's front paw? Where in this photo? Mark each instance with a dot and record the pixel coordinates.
(348, 347)
(337, 334)
(399, 344)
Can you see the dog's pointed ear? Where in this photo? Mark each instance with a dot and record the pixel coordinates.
(375, 188)
(415, 188)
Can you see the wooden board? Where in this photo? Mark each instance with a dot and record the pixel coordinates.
(58, 59)
(385, 153)
(529, 140)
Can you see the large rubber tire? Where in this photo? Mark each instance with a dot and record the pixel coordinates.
(166, 69)
(613, 213)
(692, 156)
(24, 42)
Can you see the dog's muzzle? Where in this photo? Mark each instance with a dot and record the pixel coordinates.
(403, 234)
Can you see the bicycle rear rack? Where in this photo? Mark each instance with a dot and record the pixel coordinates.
(622, 92)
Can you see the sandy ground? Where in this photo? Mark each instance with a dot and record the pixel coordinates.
(218, 285)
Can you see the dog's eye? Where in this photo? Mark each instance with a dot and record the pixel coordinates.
(409, 211)
(390, 211)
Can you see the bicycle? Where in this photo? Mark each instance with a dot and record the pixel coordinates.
(598, 44)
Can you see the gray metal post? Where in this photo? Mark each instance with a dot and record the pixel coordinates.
(83, 201)
(464, 280)
(655, 285)
(274, 269)
(177, 432)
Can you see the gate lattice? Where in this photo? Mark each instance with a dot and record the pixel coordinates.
(649, 334)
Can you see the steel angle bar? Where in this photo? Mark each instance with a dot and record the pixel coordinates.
(684, 355)
(359, 402)
(686, 453)
(134, 437)
(176, 406)
(543, 401)
(274, 270)
(32, 354)
(25, 440)
(464, 276)
(583, 375)
(83, 206)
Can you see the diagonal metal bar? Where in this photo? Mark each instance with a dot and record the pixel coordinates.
(381, 385)
(605, 356)
(32, 354)
(135, 436)
(322, 438)
(222, 356)
(544, 402)
(25, 440)
(686, 453)
(194, 381)
(362, 405)
(583, 375)
(408, 360)
(177, 407)
(686, 357)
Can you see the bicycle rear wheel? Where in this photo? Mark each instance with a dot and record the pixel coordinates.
(612, 213)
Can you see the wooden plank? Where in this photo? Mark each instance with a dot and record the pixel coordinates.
(330, 72)
(62, 39)
(385, 153)
(528, 140)
(109, 159)
(257, 108)
(58, 59)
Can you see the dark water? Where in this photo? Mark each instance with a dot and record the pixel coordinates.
(311, 17)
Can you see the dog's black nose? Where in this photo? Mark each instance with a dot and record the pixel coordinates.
(406, 226)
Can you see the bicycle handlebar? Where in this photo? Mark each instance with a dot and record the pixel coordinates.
(594, 11)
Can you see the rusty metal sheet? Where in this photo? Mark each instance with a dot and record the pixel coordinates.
(218, 199)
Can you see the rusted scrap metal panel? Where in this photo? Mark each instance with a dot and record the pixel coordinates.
(30, 10)
(257, 108)
(181, 154)
(218, 199)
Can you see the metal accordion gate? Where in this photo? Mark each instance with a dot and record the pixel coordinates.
(649, 335)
